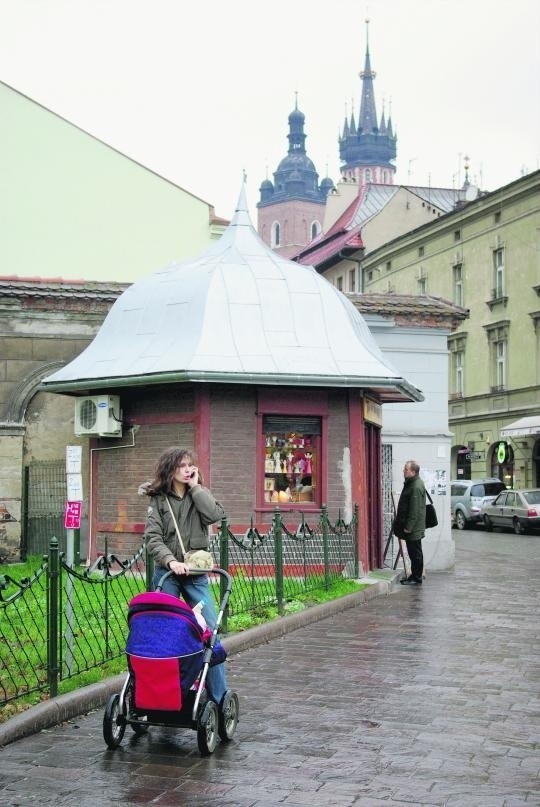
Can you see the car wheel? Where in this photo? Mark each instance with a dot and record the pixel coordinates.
(114, 724)
(518, 526)
(488, 524)
(228, 715)
(207, 729)
(461, 522)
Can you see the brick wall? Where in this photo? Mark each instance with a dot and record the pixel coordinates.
(233, 434)
(338, 439)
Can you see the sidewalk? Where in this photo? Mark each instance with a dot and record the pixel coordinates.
(427, 697)
(81, 701)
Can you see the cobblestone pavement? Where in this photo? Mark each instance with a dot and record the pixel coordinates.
(427, 697)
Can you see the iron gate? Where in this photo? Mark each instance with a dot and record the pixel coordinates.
(387, 498)
(45, 497)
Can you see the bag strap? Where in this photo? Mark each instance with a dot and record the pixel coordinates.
(176, 527)
(427, 494)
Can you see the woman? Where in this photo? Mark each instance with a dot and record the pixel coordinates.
(178, 479)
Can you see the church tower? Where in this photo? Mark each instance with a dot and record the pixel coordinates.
(291, 209)
(368, 149)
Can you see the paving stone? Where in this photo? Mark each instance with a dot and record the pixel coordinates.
(429, 696)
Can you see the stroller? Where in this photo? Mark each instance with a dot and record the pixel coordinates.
(169, 654)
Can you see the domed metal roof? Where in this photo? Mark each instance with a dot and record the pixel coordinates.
(239, 313)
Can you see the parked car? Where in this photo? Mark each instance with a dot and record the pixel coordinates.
(515, 509)
(468, 496)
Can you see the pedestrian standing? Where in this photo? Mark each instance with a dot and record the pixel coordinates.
(178, 483)
(410, 521)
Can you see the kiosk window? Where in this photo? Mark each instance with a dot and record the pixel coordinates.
(291, 459)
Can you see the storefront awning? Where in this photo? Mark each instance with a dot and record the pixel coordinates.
(522, 427)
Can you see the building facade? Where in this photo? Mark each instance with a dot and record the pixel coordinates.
(74, 207)
(485, 257)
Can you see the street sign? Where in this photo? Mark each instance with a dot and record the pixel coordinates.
(72, 515)
(474, 456)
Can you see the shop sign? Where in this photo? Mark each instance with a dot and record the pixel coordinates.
(372, 412)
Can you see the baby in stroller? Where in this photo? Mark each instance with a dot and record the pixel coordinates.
(170, 651)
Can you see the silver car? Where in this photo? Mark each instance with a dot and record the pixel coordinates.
(468, 496)
(515, 509)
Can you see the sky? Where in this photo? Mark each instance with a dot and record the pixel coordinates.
(201, 91)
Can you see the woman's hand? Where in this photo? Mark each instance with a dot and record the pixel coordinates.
(177, 567)
(193, 478)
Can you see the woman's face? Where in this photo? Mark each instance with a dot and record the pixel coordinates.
(184, 469)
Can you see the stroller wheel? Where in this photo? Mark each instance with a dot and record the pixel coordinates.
(207, 729)
(114, 724)
(228, 715)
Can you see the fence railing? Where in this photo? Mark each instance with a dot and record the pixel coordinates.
(61, 622)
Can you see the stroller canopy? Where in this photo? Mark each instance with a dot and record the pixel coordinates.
(162, 626)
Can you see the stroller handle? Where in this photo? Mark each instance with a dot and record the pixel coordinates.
(216, 570)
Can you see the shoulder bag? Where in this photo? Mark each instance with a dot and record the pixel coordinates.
(431, 514)
(196, 558)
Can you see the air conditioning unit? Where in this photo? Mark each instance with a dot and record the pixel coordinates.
(99, 415)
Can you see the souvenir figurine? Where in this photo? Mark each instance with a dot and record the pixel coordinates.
(290, 457)
(308, 462)
(277, 462)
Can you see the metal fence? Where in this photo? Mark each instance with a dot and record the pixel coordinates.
(61, 622)
(44, 499)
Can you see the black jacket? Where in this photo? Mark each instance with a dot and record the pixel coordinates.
(411, 510)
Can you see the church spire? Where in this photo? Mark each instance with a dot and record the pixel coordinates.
(368, 148)
(368, 114)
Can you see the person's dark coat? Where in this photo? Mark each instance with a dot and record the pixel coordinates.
(411, 510)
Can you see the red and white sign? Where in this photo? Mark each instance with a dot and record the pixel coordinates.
(72, 515)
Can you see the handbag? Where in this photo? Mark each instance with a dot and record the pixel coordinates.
(194, 558)
(431, 514)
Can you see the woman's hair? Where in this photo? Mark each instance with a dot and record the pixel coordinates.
(165, 468)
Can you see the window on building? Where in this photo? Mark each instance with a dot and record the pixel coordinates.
(498, 273)
(422, 285)
(367, 175)
(370, 275)
(420, 251)
(388, 265)
(339, 283)
(457, 235)
(498, 346)
(276, 234)
(500, 364)
(292, 447)
(458, 362)
(315, 229)
(352, 280)
(456, 346)
(497, 217)
(457, 270)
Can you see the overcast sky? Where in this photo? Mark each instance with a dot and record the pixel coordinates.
(200, 91)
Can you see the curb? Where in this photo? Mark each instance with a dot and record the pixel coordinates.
(81, 701)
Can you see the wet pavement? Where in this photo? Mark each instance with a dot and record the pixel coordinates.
(429, 696)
